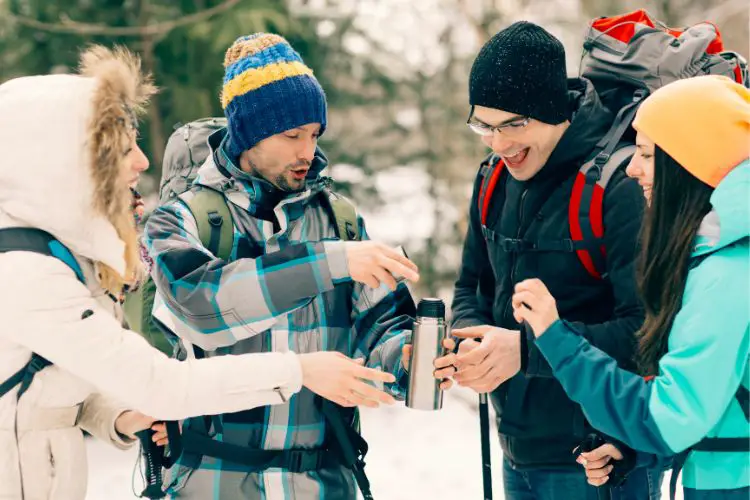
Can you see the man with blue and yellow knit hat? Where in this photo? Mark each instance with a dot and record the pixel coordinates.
(290, 283)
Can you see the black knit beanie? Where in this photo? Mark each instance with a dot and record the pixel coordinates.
(522, 70)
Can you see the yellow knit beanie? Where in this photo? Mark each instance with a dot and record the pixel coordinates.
(701, 122)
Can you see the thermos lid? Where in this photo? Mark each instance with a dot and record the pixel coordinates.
(431, 308)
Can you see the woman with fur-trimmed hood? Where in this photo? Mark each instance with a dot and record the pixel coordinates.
(69, 156)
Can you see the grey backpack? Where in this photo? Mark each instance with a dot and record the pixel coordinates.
(628, 57)
(187, 149)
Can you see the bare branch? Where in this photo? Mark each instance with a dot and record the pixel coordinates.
(157, 29)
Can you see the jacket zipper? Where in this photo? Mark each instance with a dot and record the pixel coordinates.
(509, 306)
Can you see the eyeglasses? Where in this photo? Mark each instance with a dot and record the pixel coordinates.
(511, 128)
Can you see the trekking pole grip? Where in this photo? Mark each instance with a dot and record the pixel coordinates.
(153, 458)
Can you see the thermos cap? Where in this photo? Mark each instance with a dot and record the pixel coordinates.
(431, 308)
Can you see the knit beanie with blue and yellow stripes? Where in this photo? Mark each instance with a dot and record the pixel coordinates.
(267, 90)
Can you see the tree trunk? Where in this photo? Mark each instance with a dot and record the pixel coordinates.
(155, 123)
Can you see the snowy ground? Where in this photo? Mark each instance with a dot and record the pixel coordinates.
(413, 455)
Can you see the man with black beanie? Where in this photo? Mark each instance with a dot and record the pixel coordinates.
(541, 127)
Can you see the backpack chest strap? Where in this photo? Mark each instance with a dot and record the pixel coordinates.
(715, 444)
(518, 245)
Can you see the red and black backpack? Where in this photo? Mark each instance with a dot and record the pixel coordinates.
(626, 58)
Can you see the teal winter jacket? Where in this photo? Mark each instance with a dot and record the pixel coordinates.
(693, 395)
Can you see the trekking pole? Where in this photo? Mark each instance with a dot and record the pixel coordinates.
(484, 430)
(592, 442)
(153, 459)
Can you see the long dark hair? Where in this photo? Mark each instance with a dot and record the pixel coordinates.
(679, 202)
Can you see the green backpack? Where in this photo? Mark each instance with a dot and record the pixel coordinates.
(187, 149)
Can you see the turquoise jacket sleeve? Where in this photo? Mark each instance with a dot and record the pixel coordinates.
(698, 377)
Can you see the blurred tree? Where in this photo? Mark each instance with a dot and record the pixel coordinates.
(402, 101)
(181, 43)
(395, 74)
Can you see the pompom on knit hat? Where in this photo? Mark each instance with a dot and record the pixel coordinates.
(267, 90)
(522, 70)
(702, 122)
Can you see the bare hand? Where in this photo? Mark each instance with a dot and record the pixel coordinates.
(445, 365)
(597, 463)
(336, 377)
(484, 365)
(533, 303)
(160, 433)
(374, 263)
(129, 422)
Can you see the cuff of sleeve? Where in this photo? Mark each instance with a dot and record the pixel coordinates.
(120, 441)
(402, 381)
(524, 351)
(338, 264)
(294, 385)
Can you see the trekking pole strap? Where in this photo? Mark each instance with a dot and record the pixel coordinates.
(352, 458)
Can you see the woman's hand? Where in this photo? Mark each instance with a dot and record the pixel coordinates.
(345, 381)
(129, 422)
(533, 304)
(597, 463)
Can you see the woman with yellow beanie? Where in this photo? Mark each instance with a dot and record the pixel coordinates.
(694, 276)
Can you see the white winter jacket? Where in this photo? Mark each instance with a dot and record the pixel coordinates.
(49, 179)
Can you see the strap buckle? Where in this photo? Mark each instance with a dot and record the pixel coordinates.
(639, 95)
(595, 172)
(517, 245)
(351, 233)
(215, 219)
(304, 460)
(37, 363)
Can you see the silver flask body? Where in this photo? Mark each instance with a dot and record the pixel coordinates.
(429, 331)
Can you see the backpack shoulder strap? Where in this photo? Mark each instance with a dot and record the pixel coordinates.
(214, 220)
(27, 239)
(490, 172)
(24, 239)
(350, 443)
(586, 205)
(743, 398)
(345, 214)
(24, 376)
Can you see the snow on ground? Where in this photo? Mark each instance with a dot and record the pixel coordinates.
(414, 455)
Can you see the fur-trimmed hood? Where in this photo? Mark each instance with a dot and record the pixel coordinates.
(63, 140)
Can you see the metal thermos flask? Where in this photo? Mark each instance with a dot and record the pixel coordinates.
(427, 344)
